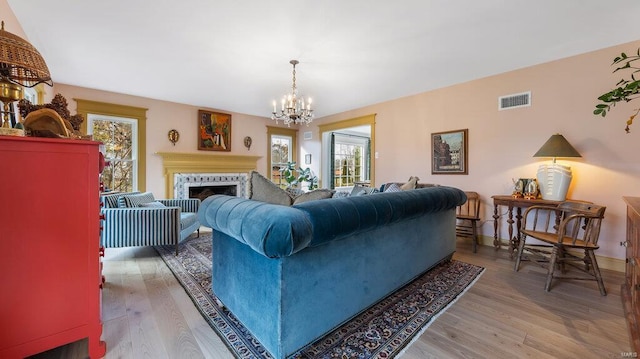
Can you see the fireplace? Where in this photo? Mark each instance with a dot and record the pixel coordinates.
(185, 170)
(203, 192)
(202, 185)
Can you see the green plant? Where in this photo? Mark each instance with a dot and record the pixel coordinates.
(627, 89)
(304, 175)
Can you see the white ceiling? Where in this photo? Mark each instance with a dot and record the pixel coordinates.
(234, 55)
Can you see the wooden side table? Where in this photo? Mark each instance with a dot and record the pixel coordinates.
(518, 203)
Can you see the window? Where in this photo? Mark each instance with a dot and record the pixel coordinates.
(282, 149)
(347, 148)
(119, 137)
(350, 159)
(138, 115)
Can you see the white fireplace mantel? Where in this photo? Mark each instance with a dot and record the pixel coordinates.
(175, 162)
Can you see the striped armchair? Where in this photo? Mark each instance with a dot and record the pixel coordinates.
(137, 219)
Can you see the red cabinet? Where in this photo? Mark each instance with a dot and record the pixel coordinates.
(49, 245)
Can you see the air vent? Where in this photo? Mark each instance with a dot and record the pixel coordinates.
(514, 101)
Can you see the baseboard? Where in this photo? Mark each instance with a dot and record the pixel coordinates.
(614, 264)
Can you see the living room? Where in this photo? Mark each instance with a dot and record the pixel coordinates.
(501, 144)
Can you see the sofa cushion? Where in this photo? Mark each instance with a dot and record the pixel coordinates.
(187, 219)
(135, 200)
(261, 189)
(313, 195)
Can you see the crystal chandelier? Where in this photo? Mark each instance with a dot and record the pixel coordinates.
(293, 108)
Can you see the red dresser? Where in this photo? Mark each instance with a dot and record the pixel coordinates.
(50, 270)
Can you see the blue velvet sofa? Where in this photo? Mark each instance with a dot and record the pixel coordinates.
(292, 274)
(134, 219)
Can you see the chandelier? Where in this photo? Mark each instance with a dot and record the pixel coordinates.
(293, 108)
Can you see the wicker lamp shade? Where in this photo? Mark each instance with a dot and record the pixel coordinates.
(20, 62)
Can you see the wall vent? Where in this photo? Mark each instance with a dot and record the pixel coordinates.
(514, 101)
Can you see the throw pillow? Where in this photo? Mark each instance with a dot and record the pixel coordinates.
(294, 192)
(393, 188)
(154, 204)
(135, 200)
(358, 190)
(411, 184)
(341, 194)
(261, 189)
(313, 195)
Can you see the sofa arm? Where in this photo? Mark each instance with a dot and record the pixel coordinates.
(140, 226)
(186, 205)
(272, 230)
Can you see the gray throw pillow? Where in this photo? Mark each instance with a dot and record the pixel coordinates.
(261, 189)
(313, 195)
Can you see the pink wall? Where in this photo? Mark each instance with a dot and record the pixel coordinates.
(163, 116)
(502, 143)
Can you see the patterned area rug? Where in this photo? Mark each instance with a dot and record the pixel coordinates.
(382, 331)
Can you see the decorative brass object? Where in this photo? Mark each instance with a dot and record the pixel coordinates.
(247, 142)
(174, 136)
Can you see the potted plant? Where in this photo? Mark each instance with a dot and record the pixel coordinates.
(627, 89)
(303, 175)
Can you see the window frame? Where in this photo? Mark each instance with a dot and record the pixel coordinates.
(85, 107)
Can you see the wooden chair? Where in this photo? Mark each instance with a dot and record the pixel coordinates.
(467, 216)
(564, 230)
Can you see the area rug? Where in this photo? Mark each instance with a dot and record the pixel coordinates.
(382, 331)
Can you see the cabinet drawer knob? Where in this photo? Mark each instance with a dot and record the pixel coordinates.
(624, 244)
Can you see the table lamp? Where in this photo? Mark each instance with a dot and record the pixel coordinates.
(21, 65)
(554, 179)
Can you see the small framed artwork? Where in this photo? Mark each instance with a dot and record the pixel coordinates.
(449, 152)
(214, 131)
(307, 159)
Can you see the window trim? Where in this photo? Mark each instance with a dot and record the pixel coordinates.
(134, 124)
(281, 131)
(86, 107)
(353, 122)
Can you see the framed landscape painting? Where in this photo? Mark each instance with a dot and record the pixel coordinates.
(449, 153)
(214, 131)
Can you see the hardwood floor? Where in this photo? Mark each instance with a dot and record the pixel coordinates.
(506, 314)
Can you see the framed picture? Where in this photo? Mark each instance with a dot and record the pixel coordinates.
(449, 153)
(214, 131)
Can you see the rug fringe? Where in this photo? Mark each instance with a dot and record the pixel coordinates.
(443, 310)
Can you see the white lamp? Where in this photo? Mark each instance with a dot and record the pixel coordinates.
(554, 179)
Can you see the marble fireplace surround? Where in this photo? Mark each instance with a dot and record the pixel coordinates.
(202, 169)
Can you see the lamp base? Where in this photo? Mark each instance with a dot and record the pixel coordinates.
(554, 181)
(8, 131)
